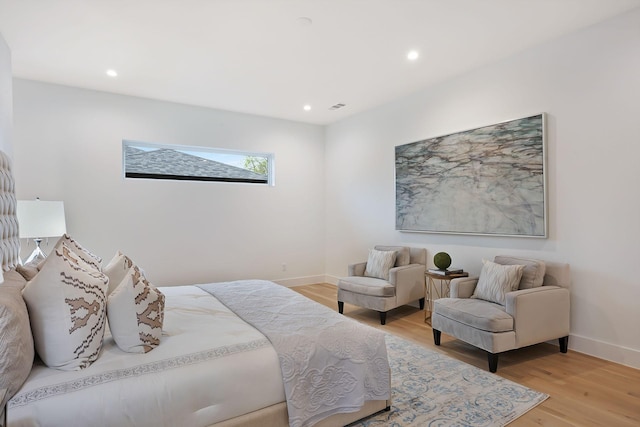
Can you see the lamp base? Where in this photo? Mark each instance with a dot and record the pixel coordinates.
(36, 254)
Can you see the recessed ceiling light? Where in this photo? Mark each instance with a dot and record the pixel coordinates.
(412, 55)
(112, 73)
(307, 107)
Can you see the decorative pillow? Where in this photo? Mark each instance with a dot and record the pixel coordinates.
(136, 313)
(403, 255)
(90, 258)
(16, 342)
(533, 273)
(117, 269)
(67, 308)
(496, 280)
(28, 271)
(379, 263)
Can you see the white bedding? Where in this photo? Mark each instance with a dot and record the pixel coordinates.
(200, 375)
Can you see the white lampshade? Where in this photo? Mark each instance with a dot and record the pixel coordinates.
(39, 219)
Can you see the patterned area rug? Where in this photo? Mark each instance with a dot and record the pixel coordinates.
(432, 389)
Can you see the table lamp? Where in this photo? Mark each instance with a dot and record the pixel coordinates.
(38, 219)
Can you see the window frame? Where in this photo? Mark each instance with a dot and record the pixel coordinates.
(270, 157)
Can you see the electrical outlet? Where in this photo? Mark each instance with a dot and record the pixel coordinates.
(284, 267)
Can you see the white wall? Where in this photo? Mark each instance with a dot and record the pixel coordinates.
(67, 145)
(6, 103)
(589, 85)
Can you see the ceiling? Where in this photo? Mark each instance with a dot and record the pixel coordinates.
(259, 57)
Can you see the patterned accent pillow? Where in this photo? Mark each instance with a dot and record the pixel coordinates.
(16, 342)
(403, 254)
(67, 308)
(533, 273)
(136, 311)
(496, 280)
(117, 269)
(88, 257)
(379, 263)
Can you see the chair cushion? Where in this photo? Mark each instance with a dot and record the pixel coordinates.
(478, 314)
(496, 280)
(379, 263)
(367, 286)
(533, 273)
(403, 254)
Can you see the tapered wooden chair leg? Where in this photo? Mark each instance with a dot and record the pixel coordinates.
(564, 344)
(493, 361)
(383, 317)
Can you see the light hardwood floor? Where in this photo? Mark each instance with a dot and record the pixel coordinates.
(584, 390)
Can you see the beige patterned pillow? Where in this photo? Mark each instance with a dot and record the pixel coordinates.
(90, 258)
(403, 254)
(16, 342)
(496, 280)
(67, 309)
(379, 263)
(533, 273)
(117, 269)
(136, 311)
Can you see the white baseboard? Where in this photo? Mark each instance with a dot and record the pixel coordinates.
(604, 350)
(299, 281)
(331, 279)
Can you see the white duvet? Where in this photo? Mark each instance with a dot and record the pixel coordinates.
(209, 367)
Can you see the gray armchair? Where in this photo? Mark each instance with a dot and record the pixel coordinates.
(529, 316)
(405, 283)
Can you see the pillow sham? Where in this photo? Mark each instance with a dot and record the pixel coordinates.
(533, 273)
(496, 280)
(27, 271)
(379, 263)
(16, 341)
(135, 310)
(403, 254)
(90, 258)
(117, 269)
(67, 309)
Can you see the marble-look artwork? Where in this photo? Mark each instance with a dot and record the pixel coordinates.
(488, 180)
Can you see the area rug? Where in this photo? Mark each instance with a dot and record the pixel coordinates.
(432, 389)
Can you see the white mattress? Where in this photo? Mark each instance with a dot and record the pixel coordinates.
(210, 366)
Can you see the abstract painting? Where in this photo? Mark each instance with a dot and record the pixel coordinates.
(488, 181)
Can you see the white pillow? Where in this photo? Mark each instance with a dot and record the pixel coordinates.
(67, 308)
(136, 312)
(496, 280)
(533, 273)
(379, 263)
(117, 269)
(90, 258)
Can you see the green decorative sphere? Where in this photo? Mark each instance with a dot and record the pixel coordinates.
(442, 260)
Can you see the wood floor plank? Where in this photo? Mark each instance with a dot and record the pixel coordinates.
(584, 390)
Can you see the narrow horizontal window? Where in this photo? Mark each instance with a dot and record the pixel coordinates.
(176, 162)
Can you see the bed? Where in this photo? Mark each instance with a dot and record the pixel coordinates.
(242, 353)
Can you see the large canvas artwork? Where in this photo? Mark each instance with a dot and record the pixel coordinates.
(489, 180)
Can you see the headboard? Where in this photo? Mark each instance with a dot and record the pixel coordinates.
(9, 240)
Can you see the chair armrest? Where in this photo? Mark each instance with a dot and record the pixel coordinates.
(408, 281)
(357, 269)
(539, 314)
(463, 287)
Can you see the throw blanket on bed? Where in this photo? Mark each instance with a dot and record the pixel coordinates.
(330, 364)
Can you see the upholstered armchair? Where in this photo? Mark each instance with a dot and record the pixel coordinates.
(369, 287)
(500, 320)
